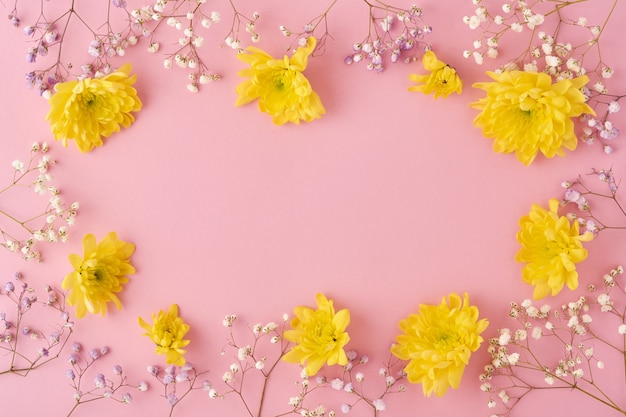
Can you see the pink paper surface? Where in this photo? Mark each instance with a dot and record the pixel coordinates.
(390, 201)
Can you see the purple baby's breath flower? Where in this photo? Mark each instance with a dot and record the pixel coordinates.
(119, 3)
(72, 359)
(42, 50)
(70, 374)
(153, 370)
(99, 381)
(94, 354)
(117, 370)
(172, 398)
(26, 303)
(9, 287)
(55, 337)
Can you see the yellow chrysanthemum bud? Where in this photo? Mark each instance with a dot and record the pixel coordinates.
(167, 331)
(442, 80)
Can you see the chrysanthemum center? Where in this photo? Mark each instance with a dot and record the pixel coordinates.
(325, 333)
(445, 339)
(164, 331)
(90, 100)
(97, 274)
(279, 80)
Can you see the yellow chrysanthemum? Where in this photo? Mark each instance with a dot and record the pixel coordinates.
(442, 80)
(320, 336)
(438, 342)
(551, 246)
(525, 113)
(99, 274)
(167, 332)
(92, 108)
(279, 84)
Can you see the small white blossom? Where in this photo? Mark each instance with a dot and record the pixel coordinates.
(379, 404)
(517, 27)
(336, 383)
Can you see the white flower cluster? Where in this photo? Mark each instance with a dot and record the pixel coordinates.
(574, 332)
(353, 379)
(233, 39)
(256, 358)
(189, 19)
(20, 231)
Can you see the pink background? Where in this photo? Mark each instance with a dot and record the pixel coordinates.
(392, 199)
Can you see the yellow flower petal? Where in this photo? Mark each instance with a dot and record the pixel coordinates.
(319, 335)
(525, 113)
(551, 246)
(99, 274)
(88, 110)
(438, 342)
(167, 332)
(442, 80)
(279, 85)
